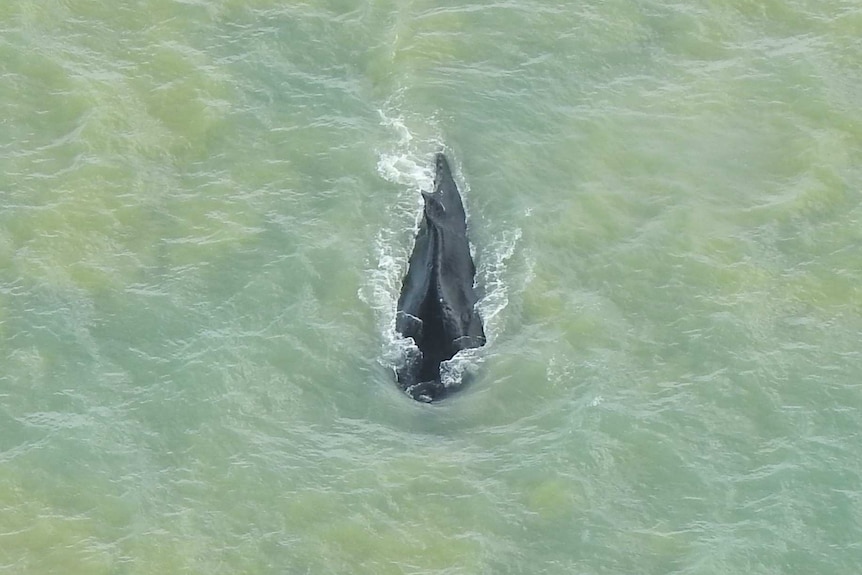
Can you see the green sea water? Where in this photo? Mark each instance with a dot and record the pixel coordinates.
(206, 209)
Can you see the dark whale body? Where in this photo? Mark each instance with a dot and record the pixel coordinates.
(437, 306)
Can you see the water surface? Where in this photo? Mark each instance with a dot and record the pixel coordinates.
(206, 209)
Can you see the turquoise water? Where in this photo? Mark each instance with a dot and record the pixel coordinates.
(206, 209)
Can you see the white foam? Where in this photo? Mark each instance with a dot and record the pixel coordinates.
(406, 165)
(490, 274)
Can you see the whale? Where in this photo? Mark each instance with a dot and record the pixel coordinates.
(437, 304)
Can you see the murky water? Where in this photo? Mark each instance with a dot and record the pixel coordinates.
(206, 209)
